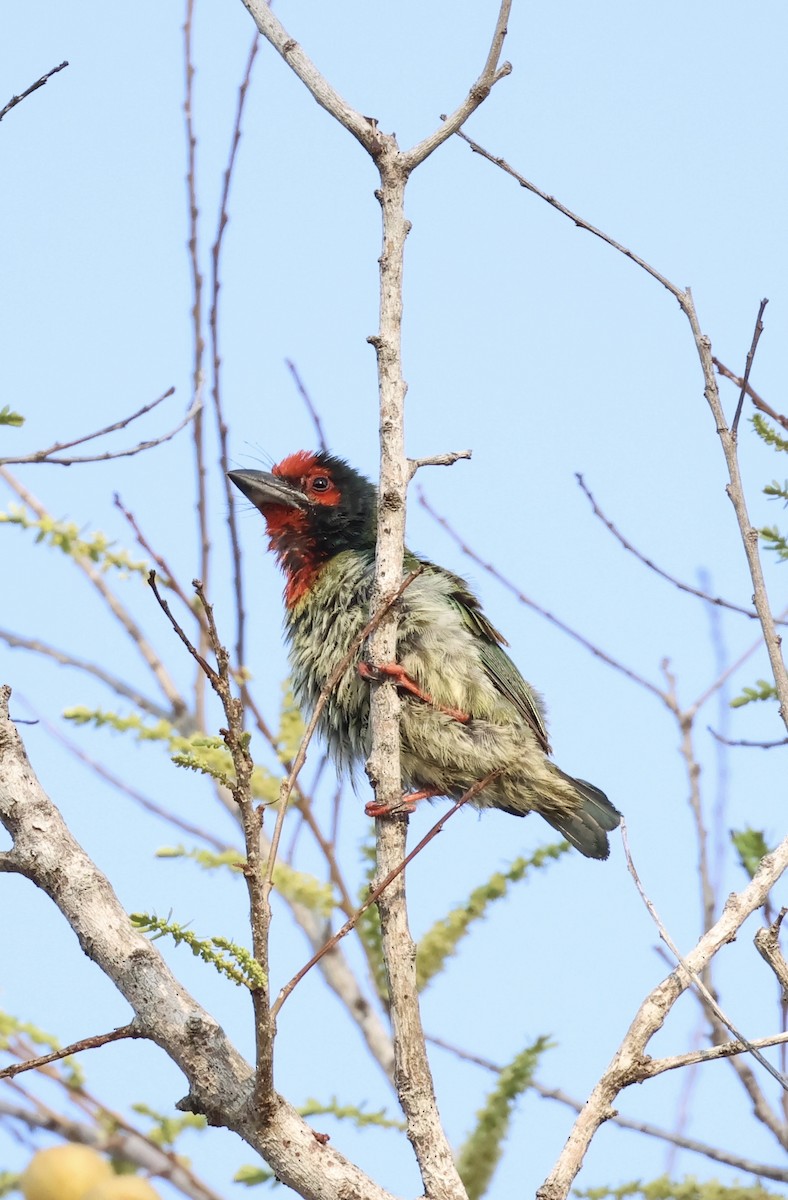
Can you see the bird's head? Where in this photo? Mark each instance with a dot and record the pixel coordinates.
(315, 506)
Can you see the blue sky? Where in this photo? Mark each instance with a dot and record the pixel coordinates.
(525, 339)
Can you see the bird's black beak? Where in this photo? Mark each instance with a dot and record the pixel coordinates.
(264, 489)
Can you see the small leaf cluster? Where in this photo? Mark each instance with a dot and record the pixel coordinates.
(775, 540)
(482, 1149)
(8, 417)
(751, 847)
(688, 1188)
(230, 959)
(442, 940)
(763, 690)
(298, 887)
(68, 537)
(165, 1130)
(201, 752)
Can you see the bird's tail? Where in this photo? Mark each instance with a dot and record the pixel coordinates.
(587, 826)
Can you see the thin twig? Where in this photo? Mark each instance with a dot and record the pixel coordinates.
(213, 323)
(377, 891)
(42, 455)
(647, 562)
(757, 400)
(198, 375)
(543, 612)
(39, 83)
(743, 741)
(88, 1043)
(748, 367)
(307, 399)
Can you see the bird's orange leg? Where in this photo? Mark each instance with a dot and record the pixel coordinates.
(406, 805)
(400, 677)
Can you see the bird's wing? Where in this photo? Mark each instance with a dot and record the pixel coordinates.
(498, 664)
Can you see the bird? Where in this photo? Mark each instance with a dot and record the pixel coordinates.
(466, 711)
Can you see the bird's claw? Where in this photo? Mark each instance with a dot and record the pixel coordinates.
(401, 679)
(407, 804)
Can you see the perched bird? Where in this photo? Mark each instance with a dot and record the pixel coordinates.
(466, 710)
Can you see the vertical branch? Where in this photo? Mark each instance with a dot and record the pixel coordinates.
(199, 342)
(412, 1074)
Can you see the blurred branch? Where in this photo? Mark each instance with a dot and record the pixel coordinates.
(110, 1134)
(39, 83)
(213, 324)
(149, 655)
(198, 373)
(114, 682)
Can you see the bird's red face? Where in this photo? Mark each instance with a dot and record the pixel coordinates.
(315, 506)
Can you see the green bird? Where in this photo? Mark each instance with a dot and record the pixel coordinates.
(466, 710)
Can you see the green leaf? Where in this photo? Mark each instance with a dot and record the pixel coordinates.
(252, 1176)
(751, 847)
(237, 963)
(67, 536)
(688, 1188)
(350, 1112)
(768, 433)
(763, 690)
(482, 1149)
(442, 940)
(774, 540)
(166, 1130)
(7, 417)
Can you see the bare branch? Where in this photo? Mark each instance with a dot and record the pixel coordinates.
(491, 74)
(626, 1065)
(45, 456)
(118, 610)
(88, 1043)
(39, 83)
(665, 1135)
(658, 1066)
(767, 943)
(695, 979)
(437, 460)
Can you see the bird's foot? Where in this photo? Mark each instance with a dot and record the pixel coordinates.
(405, 805)
(399, 676)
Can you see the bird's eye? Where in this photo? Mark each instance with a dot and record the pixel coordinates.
(320, 483)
